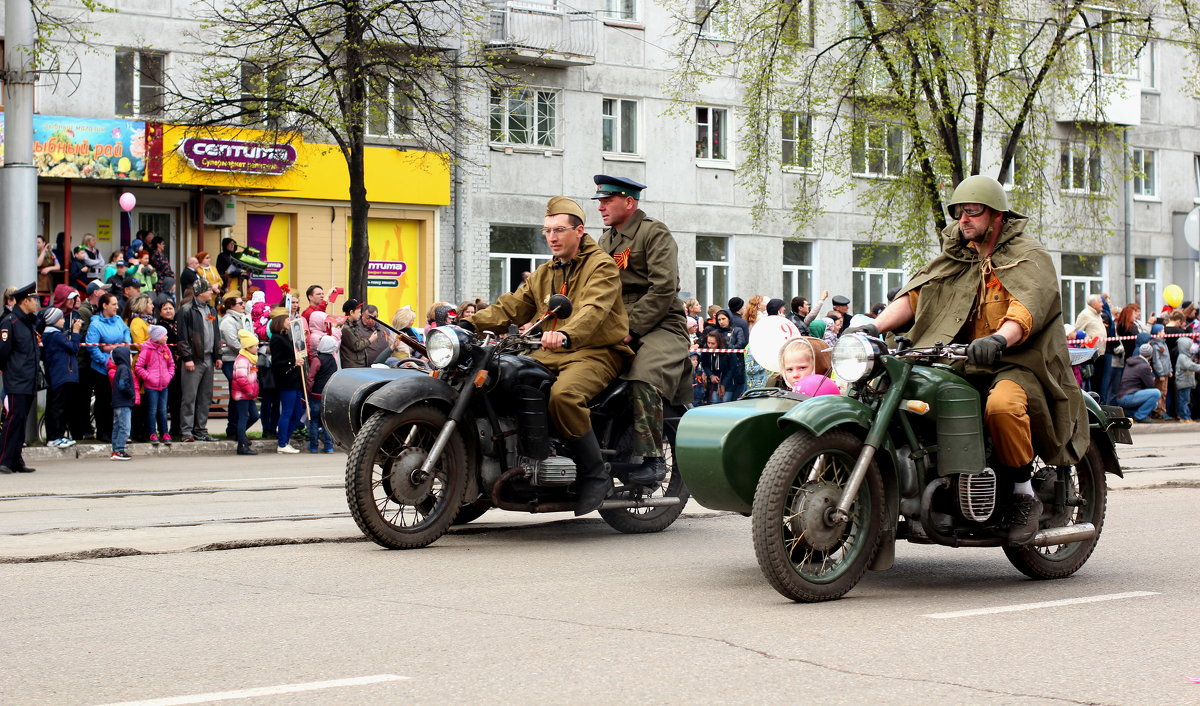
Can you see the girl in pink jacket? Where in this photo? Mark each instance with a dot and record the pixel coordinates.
(155, 368)
(244, 389)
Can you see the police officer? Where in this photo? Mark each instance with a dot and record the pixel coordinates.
(648, 259)
(18, 361)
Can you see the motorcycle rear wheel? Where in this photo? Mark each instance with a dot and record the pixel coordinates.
(804, 556)
(391, 503)
(1087, 479)
(650, 519)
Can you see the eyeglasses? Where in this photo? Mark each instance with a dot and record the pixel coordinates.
(559, 230)
(970, 209)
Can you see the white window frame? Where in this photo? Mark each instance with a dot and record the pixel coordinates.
(506, 260)
(1148, 67)
(500, 106)
(135, 75)
(1108, 57)
(860, 164)
(705, 152)
(793, 274)
(615, 121)
(1146, 289)
(1071, 154)
(628, 11)
(1079, 287)
(715, 24)
(803, 31)
(869, 285)
(801, 129)
(398, 110)
(1196, 182)
(1145, 173)
(706, 285)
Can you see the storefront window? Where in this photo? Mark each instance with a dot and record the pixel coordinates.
(515, 250)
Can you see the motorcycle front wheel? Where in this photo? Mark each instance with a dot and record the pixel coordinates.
(1087, 497)
(392, 500)
(644, 520)
(804, 555)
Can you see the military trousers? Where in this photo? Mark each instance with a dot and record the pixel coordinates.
(581, 375)
(1006, 416)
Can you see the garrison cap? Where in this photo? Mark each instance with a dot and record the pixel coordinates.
(564, 205)
(616, 186)
(839, 300)
(25, 292)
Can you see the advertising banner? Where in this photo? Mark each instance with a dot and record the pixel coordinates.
(393, 270)
(212, 154)
(88, 148)
(270, 234)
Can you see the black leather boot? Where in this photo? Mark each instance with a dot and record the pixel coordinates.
(246, 450)
(652, 472)
(591, 474)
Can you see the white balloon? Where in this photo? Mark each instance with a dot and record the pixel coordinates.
(767, 338)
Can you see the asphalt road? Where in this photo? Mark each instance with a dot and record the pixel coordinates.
(517, 608)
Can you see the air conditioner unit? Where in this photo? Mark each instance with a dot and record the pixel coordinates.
(219, 210)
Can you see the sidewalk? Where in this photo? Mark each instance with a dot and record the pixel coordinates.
(93, 449)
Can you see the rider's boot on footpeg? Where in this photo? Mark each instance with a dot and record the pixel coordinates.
(652, 472)
(591, 474)
(1026, 509)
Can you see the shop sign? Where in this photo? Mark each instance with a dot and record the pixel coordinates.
(215, 155)
(88, 148)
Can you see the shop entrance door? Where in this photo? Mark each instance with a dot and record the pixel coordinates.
(161, 221)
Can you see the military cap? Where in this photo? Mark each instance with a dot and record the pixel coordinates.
(25, 292)
(564, 205)
(839, 300)
(616, 186)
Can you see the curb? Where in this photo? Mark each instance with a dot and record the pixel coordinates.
(1163, 428)
(179, 448)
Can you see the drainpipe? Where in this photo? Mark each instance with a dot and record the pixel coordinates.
(456, 186)
(1128, 218)
(18, 190)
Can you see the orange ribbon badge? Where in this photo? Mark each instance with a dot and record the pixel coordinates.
(622, 259)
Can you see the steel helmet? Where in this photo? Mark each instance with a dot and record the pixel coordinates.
(979, 189)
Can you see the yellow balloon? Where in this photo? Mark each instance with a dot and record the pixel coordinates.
(1173, 295)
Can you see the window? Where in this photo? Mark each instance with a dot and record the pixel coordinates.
(619, 125)
(621, 10)
(1017, 173)
(389, 108)
(877, 269)
(139, 80)
(1145, 172)
(257, 84)
(525, 118)
(799, 22)
(1107, 45)
(712, 127)
(1145, 283)
(712, 18)
(1079, 166)
(1196, 171)
(1082, 276)
(797, 270)
(1, 75)
(515, 250)
(1148, 66)
(797, 141)
(877, 149)
(712, 270)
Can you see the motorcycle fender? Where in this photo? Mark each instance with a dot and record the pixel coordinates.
(398, 395)
(342, 400)
(1109, 420)
(820, 414)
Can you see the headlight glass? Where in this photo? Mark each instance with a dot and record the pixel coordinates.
(443, 348)
(853, 357)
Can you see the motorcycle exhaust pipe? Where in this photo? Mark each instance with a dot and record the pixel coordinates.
(646, 502)
(1054, 536)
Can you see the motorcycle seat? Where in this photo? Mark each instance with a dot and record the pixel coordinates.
(615, 389)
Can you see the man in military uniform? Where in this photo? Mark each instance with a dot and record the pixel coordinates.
(585, 350)
(18, 362)
(994, 287)
(648, 258)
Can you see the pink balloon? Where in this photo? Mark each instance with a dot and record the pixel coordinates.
(127, 201)
(814, 385)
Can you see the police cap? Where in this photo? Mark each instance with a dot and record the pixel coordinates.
(23, 293)
(616, 186)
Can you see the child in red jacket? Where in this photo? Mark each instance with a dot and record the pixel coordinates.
(155, 368)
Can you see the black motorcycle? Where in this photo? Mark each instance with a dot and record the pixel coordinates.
(428, 451)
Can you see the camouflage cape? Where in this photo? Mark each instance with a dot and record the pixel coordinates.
(949, 287)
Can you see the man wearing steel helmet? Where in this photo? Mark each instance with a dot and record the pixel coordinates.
(584, 350)
(995, 288)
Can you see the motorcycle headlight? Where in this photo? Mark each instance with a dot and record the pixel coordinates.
(444, 347)
(854, 357)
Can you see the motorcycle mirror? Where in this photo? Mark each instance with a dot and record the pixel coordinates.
(560, 306)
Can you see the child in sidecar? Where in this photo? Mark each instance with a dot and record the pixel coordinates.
(804, 364)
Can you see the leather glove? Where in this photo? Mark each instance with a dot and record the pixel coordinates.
(869, 329)
(986, 350)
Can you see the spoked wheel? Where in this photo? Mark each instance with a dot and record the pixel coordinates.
(649, 519)
(392, 500)
(1087, 495)
(802, 552)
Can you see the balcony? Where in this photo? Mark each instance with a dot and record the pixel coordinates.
(543, 34)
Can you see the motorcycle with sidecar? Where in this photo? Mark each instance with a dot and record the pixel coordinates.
(832, 482)
(427, 451)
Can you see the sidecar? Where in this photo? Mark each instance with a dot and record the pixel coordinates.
(352, 395)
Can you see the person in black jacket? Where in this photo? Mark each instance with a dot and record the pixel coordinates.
(286, 370)
(321, 366)
(199, 349)
(60, 351)
(18, 362)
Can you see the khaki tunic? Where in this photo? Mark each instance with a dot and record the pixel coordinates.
(646, 253)
(596, 327)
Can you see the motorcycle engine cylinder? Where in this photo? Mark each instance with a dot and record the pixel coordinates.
(959, 429)
(552, 471)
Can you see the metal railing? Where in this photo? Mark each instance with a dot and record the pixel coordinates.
(543, 29)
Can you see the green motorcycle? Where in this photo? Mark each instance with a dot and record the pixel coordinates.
(832, 482)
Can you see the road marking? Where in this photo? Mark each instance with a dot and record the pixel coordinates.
(1042, 604)
(236, 480)
(263, 691)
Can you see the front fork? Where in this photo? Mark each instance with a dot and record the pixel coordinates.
(875, 438)
(457, 412)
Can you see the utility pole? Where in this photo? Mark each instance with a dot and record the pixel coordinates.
(18, 176)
